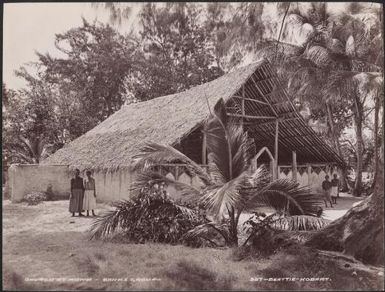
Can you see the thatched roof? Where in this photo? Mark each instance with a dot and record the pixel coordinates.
(167, 120)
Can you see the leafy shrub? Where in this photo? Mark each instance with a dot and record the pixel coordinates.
(35, 198)
(49, 192)
(151, 216)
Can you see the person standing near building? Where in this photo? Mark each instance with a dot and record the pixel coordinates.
(335, 188)
(77, 193)
(89, 201)
(326, 187)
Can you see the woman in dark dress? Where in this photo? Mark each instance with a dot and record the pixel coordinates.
(77, 194)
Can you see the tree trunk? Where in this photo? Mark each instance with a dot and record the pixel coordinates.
(359, 154)
(360, 232)
(337, 147)
(376, 112)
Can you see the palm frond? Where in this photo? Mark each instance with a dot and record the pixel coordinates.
(299, 222)
(284, 195)
(145, 179)
(218, 199)
(188, 212)
(229, 147)
(110, 221)
(206, 230)
(259, 178)
(285, 51)
(336, 46)
(307, 82)
(215, 174)
(318, 55)
(242, 148)
(350, 48)
(217, 147)
(218, 144)
(153, 154)
(339, 86)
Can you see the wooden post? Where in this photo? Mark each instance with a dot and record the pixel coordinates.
(294, 166)
(204, 147)
(276, 149)
(272, 168)
(176, 172)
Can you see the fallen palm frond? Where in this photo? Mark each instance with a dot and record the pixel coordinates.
(300, 222)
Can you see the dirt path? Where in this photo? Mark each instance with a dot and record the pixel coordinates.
(43, 243)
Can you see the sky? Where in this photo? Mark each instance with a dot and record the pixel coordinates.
(30, 27)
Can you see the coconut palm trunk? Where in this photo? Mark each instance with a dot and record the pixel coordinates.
(376, 113)
(359, 147)
(337, 146)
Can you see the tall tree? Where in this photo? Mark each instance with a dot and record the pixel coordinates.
(177, 53)
(335, 47)
(29, 124)
(97, 59)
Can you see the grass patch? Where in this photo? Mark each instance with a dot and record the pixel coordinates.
(186, 275)
(39, 241)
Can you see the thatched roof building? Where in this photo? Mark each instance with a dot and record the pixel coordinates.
(252, 92)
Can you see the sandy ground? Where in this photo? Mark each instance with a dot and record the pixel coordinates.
(344, 203)
(44, 241)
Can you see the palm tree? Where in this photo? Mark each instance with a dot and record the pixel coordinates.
(334, 49)
(356, 88)
(230, 187)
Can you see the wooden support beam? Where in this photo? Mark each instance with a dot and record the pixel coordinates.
(251, 117)
(272, 169)
(294, 166)
(250, 99)
(276, 148)
(282, 120)
(263, 96)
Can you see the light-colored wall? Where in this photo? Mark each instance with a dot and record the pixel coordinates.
(23, 179)
(313, 180)
(112, 186)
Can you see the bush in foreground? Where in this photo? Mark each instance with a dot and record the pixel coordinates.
(35, 198)
(151, 216)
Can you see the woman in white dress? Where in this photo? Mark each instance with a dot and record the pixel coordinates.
(89, 201)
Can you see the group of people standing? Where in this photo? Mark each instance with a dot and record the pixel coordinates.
(83, 194)
(331, 190)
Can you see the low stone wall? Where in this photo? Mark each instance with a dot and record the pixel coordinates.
(25, 178)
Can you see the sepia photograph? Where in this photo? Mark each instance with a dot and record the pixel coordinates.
(167, 146)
